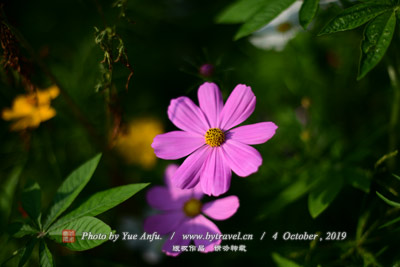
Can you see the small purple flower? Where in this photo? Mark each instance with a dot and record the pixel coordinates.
(214, 148)
(182, 215)
(206, 70)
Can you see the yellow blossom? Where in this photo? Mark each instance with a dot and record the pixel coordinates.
(28, 111)
(134, 143)
(305, 102)
(305, 135)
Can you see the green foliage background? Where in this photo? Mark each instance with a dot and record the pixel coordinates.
(325, 183)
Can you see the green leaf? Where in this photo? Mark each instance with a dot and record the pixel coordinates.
(362, 224)
(266, 14)
(31, 201)
(100, 202)
(377, 37)
(283, 262)
(14, 254)
(7, 192)
(240, 11)
(358, 178)
(291, 193)
(356, 16)
(84, 224)
(70, 189)
(396, 176)
(368, 258)
(19, 230)
(308, 11)
(390, 223)
(323, 195)
(388, 201)
(386, 156)
(46, 259)
(27, 251)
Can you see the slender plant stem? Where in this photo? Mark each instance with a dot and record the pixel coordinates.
(393, 71)
(394, 117)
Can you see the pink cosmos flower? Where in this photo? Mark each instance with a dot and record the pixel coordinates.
(214, 148)
(182, 214)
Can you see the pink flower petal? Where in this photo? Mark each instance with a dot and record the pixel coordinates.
(221, 209)
(176, 144)
(164, 223)
(177, 240)
(187, 116)
(216, 175)
(188, 174)
(210, 100)
(239, 106)
(253, 134)
(243, 159)
(161, 198)
(169, 173)
(177, 194)
(203, 226)
(197, 191)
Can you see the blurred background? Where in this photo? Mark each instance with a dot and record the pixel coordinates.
(319, 172)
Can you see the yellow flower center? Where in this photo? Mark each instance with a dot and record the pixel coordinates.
(215, 137)
(192, 207)
(284, 27)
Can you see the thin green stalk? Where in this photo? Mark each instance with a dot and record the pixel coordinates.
(394, 117)
(393, 72)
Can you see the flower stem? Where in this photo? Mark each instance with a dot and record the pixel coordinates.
(394, 117)
(393, 72)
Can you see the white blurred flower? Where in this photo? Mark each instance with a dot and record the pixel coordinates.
(280, 30)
